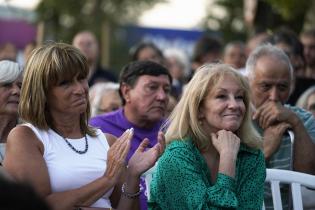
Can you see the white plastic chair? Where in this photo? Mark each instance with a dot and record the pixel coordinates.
(294, 179)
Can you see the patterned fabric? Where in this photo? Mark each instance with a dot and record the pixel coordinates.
(183, 181)
(282, 158)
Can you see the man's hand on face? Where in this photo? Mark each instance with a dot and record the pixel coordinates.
(272, 113)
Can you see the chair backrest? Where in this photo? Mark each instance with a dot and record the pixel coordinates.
(294, 179)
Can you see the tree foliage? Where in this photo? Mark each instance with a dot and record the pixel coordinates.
(64, 18)
(231, 25)
(270, 15)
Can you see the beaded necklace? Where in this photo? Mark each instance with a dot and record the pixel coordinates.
(81, 152)
(74, 149)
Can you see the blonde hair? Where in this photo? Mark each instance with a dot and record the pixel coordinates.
(183, 121)
(46, 66)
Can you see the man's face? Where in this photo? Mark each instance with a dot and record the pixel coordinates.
(148, 98)
(87, 44)
(235, 56)
(309, 49)
(271, 81)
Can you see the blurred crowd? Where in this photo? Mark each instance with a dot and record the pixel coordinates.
(154, 88)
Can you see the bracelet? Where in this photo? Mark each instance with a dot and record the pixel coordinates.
(129, 195)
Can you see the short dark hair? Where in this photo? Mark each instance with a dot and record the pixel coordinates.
(132, 71)
(135, 50)
(206, 44)
(287, 36)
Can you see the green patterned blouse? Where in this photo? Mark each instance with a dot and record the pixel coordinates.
(182, 181)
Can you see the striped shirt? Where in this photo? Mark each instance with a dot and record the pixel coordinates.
(282, 158)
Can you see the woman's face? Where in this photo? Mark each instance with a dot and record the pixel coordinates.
(10, 96)
(69, 97)
(311, 103)
(110, 102)
(223, 108)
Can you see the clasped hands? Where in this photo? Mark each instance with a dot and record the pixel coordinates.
(274, 119)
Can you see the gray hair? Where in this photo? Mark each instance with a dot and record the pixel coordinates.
(302, 100)
(9, 71)
(271, 51)
(180, 57)
(97, 91)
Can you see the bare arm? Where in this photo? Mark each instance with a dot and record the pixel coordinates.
(140, 161)
(272, 138)
(271, 114)
(304, 149)
(227, 144)
(24, 161)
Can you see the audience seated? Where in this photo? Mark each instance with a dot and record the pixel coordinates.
(8, 51)
(144, 89)
(104, 97)
(146, 51)
(308, 41)
(271, 78)
(213, 159)
(178, 65)
(87, 43)
(208, 49)
(235, 55)
(10, 86)
(307, 100)
(68, 162)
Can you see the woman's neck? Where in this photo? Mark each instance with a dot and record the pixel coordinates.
(8, 122)
(67, 126)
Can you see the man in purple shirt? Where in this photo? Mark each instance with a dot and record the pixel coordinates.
(144, 90)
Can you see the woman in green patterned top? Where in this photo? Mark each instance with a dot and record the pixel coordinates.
(214, 158)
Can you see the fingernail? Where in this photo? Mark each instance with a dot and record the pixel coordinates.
(131, 130)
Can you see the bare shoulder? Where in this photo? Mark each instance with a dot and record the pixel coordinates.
(110, 138)
(23, 137)
(24, 159)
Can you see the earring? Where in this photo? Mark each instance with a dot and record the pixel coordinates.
(200, 122)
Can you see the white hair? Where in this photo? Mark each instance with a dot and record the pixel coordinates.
(303, 99)
(270, 51)
(9, 71)
(97, 91)
(180, 57)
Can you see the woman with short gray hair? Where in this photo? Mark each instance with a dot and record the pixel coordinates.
(10, 85)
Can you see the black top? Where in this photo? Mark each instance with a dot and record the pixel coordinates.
(102, 74)
(301, 84)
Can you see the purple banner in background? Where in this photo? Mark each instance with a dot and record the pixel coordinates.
(18, 32)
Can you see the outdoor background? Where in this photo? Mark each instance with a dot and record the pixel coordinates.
(120, 24)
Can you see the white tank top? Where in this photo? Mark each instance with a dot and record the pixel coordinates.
(69, 170)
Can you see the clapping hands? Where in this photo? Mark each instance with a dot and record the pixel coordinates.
(143, 159)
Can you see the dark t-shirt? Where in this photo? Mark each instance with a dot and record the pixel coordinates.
(301, 84)
(102, 75)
